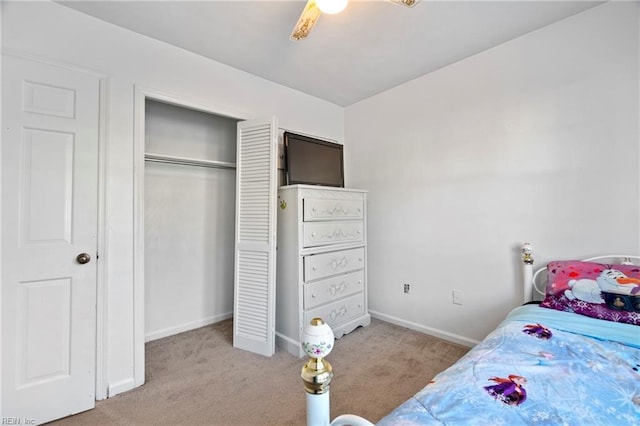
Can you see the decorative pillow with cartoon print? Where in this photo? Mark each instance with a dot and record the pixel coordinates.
(605, 291)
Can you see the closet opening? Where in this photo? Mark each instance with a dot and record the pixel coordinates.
(189, 218)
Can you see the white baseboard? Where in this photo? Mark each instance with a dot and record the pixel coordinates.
(288, 344)
(461, 340)
(119, 387)
(170, 331)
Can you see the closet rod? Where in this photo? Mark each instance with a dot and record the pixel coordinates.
(172, 159)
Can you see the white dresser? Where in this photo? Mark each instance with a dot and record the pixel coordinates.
(322, 261)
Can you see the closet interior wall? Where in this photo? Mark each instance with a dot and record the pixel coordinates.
(189, 218)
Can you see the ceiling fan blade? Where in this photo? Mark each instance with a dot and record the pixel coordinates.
(407, 3)
(307, 20)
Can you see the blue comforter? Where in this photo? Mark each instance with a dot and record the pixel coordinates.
(539, 367)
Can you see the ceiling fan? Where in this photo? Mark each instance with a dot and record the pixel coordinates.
(314, 8)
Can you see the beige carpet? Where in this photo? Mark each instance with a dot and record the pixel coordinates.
(198, 378)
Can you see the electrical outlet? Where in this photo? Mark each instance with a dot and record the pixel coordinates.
(457, 297)
(406, 288)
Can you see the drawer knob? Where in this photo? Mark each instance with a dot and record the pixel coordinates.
(313, 296)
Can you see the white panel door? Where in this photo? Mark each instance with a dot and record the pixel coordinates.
(255, 260)
(49, 218)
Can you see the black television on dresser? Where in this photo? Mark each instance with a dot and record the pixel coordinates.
(313, 161)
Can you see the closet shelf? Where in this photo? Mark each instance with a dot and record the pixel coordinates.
(172, 159)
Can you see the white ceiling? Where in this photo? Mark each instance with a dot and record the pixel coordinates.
(372, 46)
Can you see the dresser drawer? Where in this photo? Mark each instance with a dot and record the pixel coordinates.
(323, 233)
(327, 209)
(318, 266)
(338, 312)
(321, 292)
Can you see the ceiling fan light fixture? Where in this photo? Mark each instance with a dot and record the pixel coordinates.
(307, 20)
(407, 3)
(331, 6)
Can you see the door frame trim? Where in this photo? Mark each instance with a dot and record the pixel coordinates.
(101, 343)
(141, 94)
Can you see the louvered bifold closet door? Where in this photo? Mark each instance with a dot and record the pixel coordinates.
(255, 262)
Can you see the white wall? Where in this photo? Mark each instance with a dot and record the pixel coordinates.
(51, 31)
(189, 221)
(534, 140)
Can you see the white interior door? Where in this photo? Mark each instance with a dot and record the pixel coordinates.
(49, 217)
(255, 260)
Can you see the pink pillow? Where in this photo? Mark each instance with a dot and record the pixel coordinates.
(606, 291)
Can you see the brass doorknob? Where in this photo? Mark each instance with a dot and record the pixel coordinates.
(83, 258)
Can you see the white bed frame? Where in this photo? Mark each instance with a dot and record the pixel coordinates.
(318, 411)
(531, 281)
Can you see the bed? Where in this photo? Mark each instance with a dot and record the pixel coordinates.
(539, 366)
(573, 359)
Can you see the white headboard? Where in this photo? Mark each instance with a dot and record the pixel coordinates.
(534, 283)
